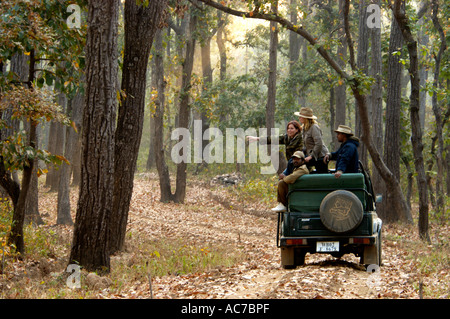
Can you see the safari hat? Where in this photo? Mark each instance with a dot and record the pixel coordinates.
(307, 113)
(299, 154)
(344, 129)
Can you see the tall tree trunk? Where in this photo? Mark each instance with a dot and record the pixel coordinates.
(363, 64)
(220, 39)
(161, 166)
(272, 80)
(392, 183)
(56, 146)
(76, 163)
(272, 87)
(16, 234)
(416, 137)
(151, 147)
(376, 99)
(332, 108)
(294, 48)
(32, 202)
(207, 73)
(74, 110)
(392, 122)
(184, 106)
(140, 27)
(340, 93)
(90, 246)
(423, 39)
(221, 46)
(440, 202)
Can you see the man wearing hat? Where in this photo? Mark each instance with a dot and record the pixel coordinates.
(300, 169)
(346, 157)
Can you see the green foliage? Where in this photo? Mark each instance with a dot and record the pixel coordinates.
(40, 28)
(233, 102)
(262, 189)
(5, 228)
(32, 105)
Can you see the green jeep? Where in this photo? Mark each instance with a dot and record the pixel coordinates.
(330, 215)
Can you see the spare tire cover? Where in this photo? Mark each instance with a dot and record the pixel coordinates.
(341, 211)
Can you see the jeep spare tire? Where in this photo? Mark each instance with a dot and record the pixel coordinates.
(341, 211)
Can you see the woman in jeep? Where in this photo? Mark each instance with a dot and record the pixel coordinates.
(292, 140)
(315, 149)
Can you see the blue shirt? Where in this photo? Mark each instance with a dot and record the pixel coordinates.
(347, 159)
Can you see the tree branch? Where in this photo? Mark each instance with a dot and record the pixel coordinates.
(285, 23)
(348, 35)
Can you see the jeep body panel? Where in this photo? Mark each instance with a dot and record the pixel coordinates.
(301, 228)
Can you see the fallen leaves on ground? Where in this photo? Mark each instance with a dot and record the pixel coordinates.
(211, 216)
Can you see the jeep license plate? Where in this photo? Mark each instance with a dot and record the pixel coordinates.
(327, 246)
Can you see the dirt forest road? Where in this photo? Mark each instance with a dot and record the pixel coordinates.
(209, 217)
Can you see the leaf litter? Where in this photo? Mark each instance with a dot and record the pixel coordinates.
(213, 217)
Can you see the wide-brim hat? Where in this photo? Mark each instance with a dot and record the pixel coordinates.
(306, 113)
(299, 154)
(344, 129)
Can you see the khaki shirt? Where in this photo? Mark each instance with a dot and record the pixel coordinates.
(314, 143)
(298, 171)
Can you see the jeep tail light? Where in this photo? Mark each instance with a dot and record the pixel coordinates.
(365, 241)
(296, 241)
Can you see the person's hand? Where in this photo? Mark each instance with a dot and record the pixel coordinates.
(326, 159)
(252, 138)
(281, 176)
(338, 174)
(307, 159)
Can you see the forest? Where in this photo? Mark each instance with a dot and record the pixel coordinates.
(124, 168)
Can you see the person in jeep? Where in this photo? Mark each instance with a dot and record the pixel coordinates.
(300, 169)
(346, 156)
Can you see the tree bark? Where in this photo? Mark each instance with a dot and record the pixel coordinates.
(376, 100)
(16, 234)
(294, 49)
(90, 247)
(416, 137)
(161, 166)
(272, 86)
(423, 39)
(392, 183)
(184, 107)
(207, 74)
(64, 208)
(32, 201)
(393, 110)
(440, 202)
(56, 146)
(363, 64)
(341, 88)
(140, 26)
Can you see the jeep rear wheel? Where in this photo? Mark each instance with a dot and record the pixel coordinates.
(341, 211)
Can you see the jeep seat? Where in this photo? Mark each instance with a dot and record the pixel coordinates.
(307, 193)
